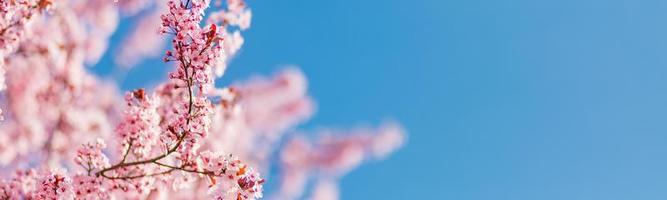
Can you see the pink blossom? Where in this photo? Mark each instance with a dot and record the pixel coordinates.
(139, 129)
(277, 103)
(143, 41)
(89, 187)
(243, 181)
(15, 18)
(184, 139)
(237, 15)
(60, 103)
(330, 157)
(90, 156)
(9, 190)
(53, 185)
(15, 21)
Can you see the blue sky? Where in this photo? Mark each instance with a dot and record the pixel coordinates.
(514, 99)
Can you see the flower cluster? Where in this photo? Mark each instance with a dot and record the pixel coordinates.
(254, 115)
(185, 138)
(196, 49)
(233, 20)
(274, 105)
(245, 182)
(139, 129)
(178, 133)
(329, 158)
(89, 187)
(22, 182)
(90, 156)
(8, 191)
(63, 106)
(54, 185)
(15, 17)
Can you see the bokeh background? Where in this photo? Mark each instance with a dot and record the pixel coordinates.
(508, 99)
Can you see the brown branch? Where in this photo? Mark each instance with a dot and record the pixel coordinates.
(138, 176)
(182, 168)
(124, 164)
(180, 139)
(129, 147)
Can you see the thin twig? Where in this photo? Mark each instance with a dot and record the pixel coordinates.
(129, 147)
(138, 176)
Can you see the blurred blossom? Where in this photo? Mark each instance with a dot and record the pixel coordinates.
(331, 156)
(143, 41)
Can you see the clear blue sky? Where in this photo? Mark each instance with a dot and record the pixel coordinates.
(514, 99)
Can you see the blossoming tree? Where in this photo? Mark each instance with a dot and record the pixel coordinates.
(66, 134)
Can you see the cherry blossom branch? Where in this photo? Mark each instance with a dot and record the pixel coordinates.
(186, 65)
(141, 162)
(122, 163)
(140, 176)
(182, 168)
(127, 152)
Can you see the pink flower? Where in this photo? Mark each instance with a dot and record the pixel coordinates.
(9, 190)
(274, 104)
(140, 129)
(330, 157)
(169, 141)
(15, 17)
(237, 15)
(90, 156)
(89, 187)
(53, 185)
